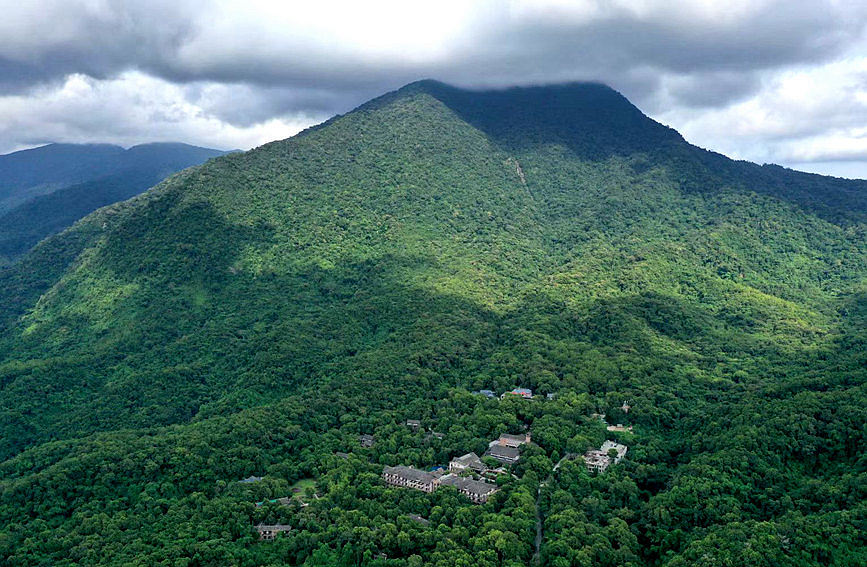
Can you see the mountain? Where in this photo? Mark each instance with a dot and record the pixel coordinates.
(44, 190)
(254, 315)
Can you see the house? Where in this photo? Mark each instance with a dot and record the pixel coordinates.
(509, 440)
(486, 393)
(251, 479)
(550, 396)
(625, 407)
(476, 490)
(342, 455)
(434, 435)
(598, 460)
(619, 427)
(410, 477)
(366, 440)
(620, 449)
(504, 453)
(525, 393)
(418, 519)
(268, 532)
(413, 424)
(469, 461)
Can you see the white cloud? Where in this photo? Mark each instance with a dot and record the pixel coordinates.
(130, 109)
(801, 115)
(766, 80)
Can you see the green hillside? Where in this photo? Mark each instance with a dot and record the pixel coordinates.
(47, 189)
(254, 315)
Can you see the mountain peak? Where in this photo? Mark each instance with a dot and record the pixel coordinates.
(591, 118)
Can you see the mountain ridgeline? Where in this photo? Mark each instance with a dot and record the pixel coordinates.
(256, 314)
(46, 189)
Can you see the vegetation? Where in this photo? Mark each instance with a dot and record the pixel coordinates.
(44, 190)
(254, 315)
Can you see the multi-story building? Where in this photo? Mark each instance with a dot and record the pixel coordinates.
(476, 490)
(411, 478)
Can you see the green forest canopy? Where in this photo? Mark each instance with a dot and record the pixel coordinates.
(254, 315)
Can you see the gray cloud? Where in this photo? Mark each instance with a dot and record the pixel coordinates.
(245, 64)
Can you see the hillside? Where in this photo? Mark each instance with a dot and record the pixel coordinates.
(44, 190)
(254, 315)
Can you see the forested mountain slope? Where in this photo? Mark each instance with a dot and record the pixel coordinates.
(254, 315)
(44, 190)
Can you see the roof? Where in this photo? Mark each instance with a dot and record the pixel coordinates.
(477, 487)
(250, 479)
(513, 439)
(468, 460)
(418, 519)
(413, 422)
(504, 451)
(410, 473)
(608, 445)
(273, 527)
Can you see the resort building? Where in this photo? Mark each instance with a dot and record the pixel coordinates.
(411, 478)
(470, 461)
(476, 490)
(267, 532)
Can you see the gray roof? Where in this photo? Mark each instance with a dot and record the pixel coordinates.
(504, 451)
(410, 473)
(250, 479)
(468, 460)
(518, 439)
(476, 487)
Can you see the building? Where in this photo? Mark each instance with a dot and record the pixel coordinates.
(486, 393)
(550, 396)
(504, 453)
(413, 424)
(418, 519)
(470, 461)
(525, 393)
(619, 427)
(509, 440)
(366, 440)
(267, 532)
(410, 477)
(625, 407)
(434, 435)
(476, 490)
(251, 479)
(620, 449)
(598, 460)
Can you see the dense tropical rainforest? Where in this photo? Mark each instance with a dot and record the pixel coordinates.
(253, 316)
(46, 189)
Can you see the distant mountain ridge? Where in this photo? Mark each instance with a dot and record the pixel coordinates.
(46, 189)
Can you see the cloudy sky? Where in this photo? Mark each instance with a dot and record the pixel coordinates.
(764, 80)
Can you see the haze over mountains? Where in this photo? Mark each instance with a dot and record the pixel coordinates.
(256, 314)
(46, 189)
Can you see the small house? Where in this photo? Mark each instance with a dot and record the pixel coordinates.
(525, 393)
(268, 532)
(470, 461)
